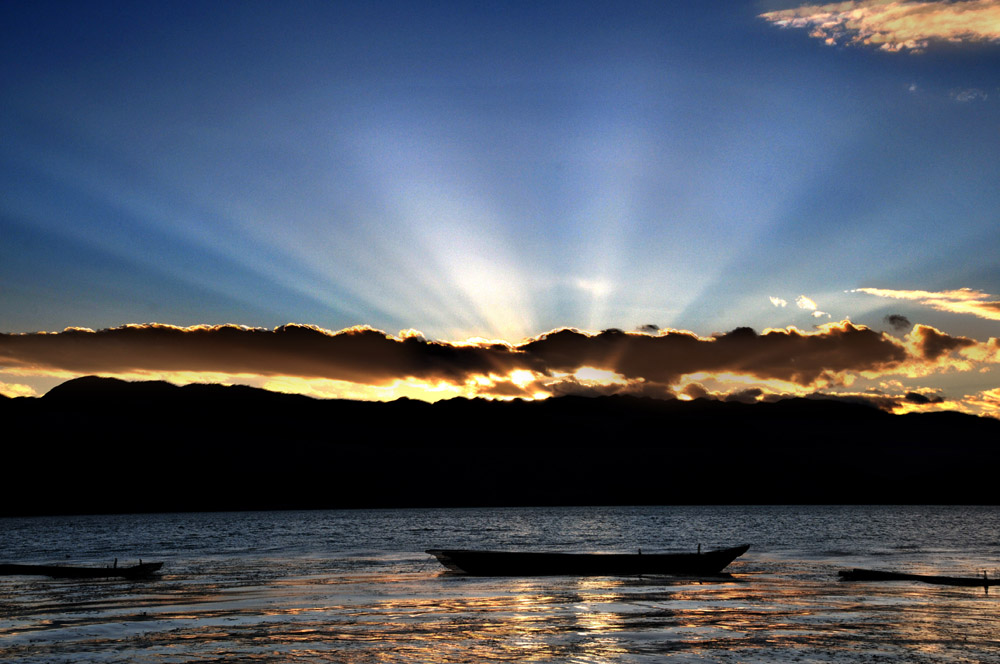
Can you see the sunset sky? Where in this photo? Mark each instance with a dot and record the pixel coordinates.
(438, 199)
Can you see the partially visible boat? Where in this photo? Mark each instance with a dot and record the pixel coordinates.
(858, 574)
(140, 571)
(530, 563)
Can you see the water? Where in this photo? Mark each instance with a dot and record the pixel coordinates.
(355, 586)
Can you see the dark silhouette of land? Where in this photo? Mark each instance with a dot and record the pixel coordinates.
(104, 445)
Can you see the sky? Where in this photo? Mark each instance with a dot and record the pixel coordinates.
(740, 200)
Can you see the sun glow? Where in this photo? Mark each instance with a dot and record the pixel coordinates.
(522, 377)
(593, 375)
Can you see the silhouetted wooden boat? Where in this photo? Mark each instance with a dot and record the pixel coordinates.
(529, 563)
(139, 571)
(879, 575)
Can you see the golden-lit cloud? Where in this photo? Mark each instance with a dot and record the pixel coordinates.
(803, 302)
(17, 390)
(932, 344)
(986, 402)
(895, 25)
(931, 351)
(960, 301)
(365, 363)
(807, 303)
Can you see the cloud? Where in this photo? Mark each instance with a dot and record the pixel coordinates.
(933, 344)
(803, 302)
(369, 356)
(807, 303)
(968, 95)
(898, 400)
(899, 403)
(358, 354)
(17, 390)
(782, 354)
(366, 363)
(738, 393)
(749, 395)
(695, 390)
(895, 25)
(931, 351)
(922, 399)
(897, 321)
(986, 402)
(961, 301)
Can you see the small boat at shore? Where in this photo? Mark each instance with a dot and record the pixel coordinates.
(879, 575)
(530, 563)
(140, 571)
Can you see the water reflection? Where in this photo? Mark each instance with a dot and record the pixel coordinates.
(438, 618)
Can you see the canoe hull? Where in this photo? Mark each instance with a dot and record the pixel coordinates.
(879, 575)
(70, 572)
(526, 563)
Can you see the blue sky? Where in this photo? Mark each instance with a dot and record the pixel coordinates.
(494, 170)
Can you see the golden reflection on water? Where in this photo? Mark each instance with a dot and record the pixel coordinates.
(439, 619)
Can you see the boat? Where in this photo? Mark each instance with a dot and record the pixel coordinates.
(140, 571)
(529, 563)
(858, 574)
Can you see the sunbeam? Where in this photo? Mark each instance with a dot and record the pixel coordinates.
(503, 173)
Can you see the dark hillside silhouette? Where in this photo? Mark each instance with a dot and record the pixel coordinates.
(99, 445)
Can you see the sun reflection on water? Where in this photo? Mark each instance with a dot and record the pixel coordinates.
(439, 618)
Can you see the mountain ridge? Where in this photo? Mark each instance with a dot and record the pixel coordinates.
(106, 445)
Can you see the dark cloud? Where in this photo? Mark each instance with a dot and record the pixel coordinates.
(933, 344)
(791, 355)
(574, 387)
(922, 399)
(749, 395)
(885, 402)
(360, 355)
(695, 391)
(365, 355)
(898, 321)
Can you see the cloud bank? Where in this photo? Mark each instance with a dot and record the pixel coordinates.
(893, 25)
(366, 355)
(358, 362)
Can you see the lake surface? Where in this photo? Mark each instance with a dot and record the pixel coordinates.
(356, 586)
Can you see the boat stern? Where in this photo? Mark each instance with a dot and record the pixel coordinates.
(444, 557)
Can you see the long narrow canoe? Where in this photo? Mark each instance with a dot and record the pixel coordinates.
(528, 563)
(139, 571)
(858, 574)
